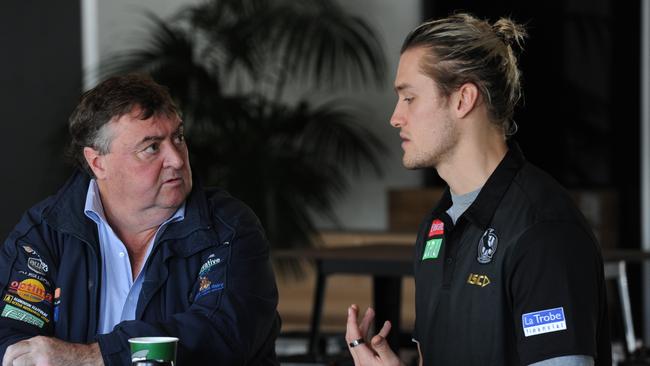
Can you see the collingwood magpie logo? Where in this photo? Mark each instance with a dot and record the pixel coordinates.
(487, 246)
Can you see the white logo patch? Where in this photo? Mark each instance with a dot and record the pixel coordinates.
(205, 268)
(37, 265)
(487, 246)
(543, 321)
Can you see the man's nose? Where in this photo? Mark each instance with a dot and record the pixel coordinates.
(397, 119)
(174, 156)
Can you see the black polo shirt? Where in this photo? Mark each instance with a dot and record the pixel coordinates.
(518, 279)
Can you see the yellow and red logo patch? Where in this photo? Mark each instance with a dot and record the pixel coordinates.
(31, 290)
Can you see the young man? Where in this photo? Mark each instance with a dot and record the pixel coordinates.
(507, 270)
(131, 247)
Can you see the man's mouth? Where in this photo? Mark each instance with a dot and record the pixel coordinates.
(172, 180)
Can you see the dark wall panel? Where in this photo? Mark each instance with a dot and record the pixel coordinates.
(40, 82)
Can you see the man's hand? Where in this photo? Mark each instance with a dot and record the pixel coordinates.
(377, 353)
(48, 351)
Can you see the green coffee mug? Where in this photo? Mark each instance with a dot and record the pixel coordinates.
(153, 351)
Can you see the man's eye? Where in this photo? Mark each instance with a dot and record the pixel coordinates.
(151, 149)
(408, 99)
(180, 138)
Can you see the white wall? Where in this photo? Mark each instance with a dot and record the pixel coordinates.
(110, 27)
(121, 26)
(365, 206)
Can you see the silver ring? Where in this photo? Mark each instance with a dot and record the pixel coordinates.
(356, 342)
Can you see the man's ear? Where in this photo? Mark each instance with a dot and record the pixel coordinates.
(95, 161)
(465, 99)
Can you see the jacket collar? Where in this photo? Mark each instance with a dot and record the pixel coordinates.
(66, 214)
(481, 211)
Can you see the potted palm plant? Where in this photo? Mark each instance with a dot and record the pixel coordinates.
(238, 70)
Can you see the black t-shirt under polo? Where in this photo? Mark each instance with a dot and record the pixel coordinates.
(517, 280)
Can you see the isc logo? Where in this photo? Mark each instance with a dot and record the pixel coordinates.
(478, 280)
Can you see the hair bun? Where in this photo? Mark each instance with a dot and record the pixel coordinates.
(510, 32)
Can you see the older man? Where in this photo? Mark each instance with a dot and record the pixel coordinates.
(131, 246)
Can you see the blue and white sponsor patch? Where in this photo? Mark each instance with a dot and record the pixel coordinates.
(543, 321)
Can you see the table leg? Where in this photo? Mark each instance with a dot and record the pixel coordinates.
(316, 313)
(387, 299)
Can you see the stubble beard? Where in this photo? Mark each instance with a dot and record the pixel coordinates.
(432, 156)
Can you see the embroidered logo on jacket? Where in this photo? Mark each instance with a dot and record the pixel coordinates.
(13, 312)
(35, 263)
(487, 246)
(432, 249)
(206, 286)
(25, 306)
(437, 228)
(31, 290)
(480, 280)
(209, 279)
(207, 266)
(434, 240)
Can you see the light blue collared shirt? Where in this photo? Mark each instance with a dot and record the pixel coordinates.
(119, 293)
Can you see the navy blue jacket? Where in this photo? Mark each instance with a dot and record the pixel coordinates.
(208, 281)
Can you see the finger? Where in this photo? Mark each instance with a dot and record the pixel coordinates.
(383, 350)
(385, 329)
(366, 321)
(14, 351)
(352, 331)
(361, 353)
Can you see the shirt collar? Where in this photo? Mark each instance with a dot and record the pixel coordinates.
(94, 209)
(481, 211)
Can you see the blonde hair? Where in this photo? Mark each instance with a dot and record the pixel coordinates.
(465, 49)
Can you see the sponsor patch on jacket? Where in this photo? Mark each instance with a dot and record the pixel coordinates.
(208, 265)
(34, 261)
(480, 280)
(37, 265)
(26, 306)
(206, 286)
(543, 321)
(432, 248)
(15, 313)
(31, 290)
(487, 246)
(437, 228)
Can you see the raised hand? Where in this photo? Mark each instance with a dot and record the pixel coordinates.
(377, 352)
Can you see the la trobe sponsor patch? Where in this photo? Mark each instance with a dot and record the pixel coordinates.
(543, 321)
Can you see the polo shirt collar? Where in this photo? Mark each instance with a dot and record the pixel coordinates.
(481, 211)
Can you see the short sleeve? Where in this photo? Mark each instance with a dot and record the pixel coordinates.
(556, 290)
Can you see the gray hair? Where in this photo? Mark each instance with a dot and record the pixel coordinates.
(108, 101)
